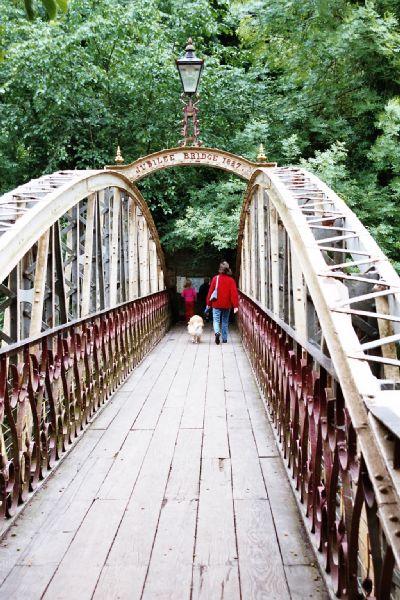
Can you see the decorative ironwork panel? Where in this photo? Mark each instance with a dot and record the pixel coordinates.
(53, 384)
(319, 445)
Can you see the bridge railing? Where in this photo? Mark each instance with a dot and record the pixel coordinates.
(51, 386)
(319, 445)
(323, 333)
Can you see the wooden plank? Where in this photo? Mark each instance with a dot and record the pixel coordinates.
(121, 581)
(262, 429)
(108, 414)
(232, 381)
(218, 582)
(79, 570)
(215, 395)
(260, 563)
(215, 443)
(236, 411)
(263, 435)
(246, 374)
(183, 482)
(170, 570)
(215, 540)
(193, 414)
(126, 467)
(42, 507)
(293, 539)
(162, 352)
(26, 582)
(247, 479)
(151, 410)
(144, 375)
(117, 431)
(50, 543)
(53, 540)
(126, 565)
(177, 392)
(216, 561)
(305, 581)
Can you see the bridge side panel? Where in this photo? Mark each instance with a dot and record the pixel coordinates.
(339, 460)
(103, 250)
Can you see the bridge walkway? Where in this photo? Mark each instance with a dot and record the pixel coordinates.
(176, 490)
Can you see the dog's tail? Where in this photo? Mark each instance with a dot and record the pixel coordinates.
(195, 329)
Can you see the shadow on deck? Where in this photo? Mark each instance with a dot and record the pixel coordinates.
(175, 491)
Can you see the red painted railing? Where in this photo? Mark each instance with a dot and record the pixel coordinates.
(319, 445)
(51, 386)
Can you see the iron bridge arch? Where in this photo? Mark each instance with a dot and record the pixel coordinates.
(83, 299)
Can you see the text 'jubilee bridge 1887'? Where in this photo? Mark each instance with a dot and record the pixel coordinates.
(84, 305)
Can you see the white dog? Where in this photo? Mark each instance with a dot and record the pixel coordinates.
(195, 328)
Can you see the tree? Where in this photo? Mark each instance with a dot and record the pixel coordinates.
(51, 8)
(313, 80)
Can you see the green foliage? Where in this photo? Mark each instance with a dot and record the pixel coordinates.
(316, 81)
(329, 165)
(51, 7)
(212, 218)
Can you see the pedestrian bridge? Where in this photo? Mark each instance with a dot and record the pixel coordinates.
(137, 465)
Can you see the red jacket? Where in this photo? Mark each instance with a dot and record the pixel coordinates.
(227, 292)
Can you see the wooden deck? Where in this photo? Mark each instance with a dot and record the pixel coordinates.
(175, 491)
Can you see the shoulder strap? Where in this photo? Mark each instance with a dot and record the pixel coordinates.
(216, 285)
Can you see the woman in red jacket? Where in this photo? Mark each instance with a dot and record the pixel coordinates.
(225, 298)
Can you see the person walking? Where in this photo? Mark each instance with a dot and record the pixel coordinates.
(189, 295)
(222, 297)
(202, 295)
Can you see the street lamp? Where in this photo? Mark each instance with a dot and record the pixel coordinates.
(190, 68)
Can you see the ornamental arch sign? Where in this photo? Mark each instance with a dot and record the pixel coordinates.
(195, 157)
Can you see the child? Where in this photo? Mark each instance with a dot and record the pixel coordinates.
(189, 295)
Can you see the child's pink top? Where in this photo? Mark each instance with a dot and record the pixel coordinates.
(189, 294)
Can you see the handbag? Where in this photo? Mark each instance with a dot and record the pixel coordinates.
(214, 295)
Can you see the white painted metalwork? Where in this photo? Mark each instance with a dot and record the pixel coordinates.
(73, 243)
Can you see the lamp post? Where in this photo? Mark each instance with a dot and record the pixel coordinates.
(190, 68)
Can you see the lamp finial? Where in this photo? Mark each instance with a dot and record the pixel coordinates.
(261, 157)
(119, 158)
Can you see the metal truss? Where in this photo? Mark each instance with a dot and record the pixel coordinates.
(73, 243)
(320, 314)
